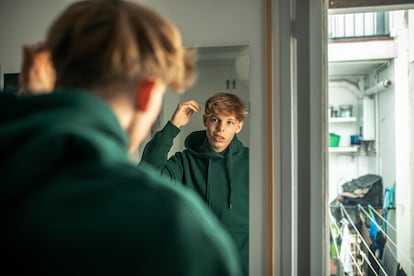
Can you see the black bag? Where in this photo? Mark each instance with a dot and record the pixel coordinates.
(365, 190)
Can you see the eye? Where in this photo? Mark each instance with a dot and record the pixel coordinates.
(213, 120)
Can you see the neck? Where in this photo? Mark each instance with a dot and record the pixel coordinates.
(123, 112)
(121, 105)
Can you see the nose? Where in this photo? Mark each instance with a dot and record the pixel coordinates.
(220, 125)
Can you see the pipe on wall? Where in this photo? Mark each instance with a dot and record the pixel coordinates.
(379, 87)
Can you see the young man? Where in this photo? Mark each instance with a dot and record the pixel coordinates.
(71, 201)
(215, 163)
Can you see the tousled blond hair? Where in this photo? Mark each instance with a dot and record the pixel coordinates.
(226, 104)
(100, 43)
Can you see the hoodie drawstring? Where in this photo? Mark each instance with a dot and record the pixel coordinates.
(229, 176)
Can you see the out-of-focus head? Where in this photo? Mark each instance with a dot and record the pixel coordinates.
(115, 43)
(117, 48)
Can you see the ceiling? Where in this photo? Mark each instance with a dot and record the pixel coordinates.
(335, 4)
(355, 68)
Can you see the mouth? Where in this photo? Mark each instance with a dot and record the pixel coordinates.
(218, 138)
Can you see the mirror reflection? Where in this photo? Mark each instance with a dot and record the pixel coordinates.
(219, 69)
(201, 139)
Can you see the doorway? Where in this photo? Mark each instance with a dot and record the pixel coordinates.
(370, 84)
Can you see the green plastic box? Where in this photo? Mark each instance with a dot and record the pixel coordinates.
(334, 140)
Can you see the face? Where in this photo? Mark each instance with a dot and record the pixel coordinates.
(220, 130)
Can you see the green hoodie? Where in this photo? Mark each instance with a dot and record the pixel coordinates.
(73, 204)
(220, 179)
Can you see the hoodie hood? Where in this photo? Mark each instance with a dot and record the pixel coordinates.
(44, 134)
(198, 145)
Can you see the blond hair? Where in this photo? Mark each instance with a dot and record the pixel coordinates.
(226, 104)
(100, 43)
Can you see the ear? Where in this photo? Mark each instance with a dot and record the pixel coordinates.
(205, 120)
(143, 93)
(239, 126)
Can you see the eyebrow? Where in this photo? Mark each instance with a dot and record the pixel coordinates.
(231, 119)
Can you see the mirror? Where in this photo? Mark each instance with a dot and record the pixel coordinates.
(217, 172)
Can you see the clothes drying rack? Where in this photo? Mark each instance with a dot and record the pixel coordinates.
(371, 260)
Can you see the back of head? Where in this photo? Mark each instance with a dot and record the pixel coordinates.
(115, 43)
(226, 104)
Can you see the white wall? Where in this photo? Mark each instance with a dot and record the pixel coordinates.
(386, 129)
(202, 23)
(347, 166)
(342, 166)
(404, 134)
(23, 22)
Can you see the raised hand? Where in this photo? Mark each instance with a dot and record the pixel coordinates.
(183, 113)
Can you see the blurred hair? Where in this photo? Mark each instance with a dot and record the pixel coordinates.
(101, 43)
(226, 104)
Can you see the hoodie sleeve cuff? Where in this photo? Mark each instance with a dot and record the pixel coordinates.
(170, 130)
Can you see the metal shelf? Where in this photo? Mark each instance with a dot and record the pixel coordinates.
(342, 120)
(344, 149)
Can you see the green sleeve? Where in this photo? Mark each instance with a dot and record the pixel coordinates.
(156, 152)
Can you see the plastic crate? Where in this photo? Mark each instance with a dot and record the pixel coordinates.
(334, 140)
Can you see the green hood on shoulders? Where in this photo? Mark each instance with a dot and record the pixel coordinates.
(72, 202)
(197, 144)
(29, 123)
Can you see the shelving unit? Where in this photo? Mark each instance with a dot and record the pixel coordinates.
(342, 119)
(344, 149)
